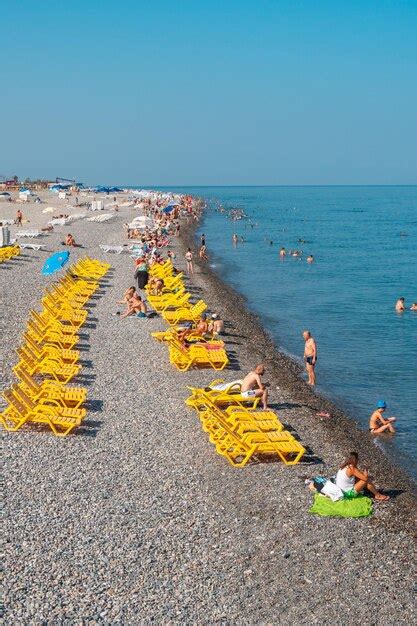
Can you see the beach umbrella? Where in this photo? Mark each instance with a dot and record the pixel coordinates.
(55, 262)
(49, 209)
(168, 209)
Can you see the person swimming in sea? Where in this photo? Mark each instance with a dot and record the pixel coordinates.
(378, 423)
(413, 307)
(400, 305)
(310, 258)
(282, 253)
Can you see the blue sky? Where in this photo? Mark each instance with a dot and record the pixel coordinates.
(210, 92)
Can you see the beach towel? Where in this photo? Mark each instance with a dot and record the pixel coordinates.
(357, 507)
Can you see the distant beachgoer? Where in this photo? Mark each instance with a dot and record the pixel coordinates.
(177, 229)
(128, 294)
(216, 326)
(203, 240)
(189, 259)
(252, 386)
(310, 259)
(141, 273)
(202, 325)
(271, 243)
(400, 305)
(378, 423)
(282, 253)
(353, 481)
(69, 241)
(234, 239)
(19, 217)
(310, 356)
(202, 253)
(135, 306)
(413, 307)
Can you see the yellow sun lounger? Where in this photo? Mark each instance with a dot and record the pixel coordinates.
(57, 370)
(51, 336)
(227, 395)
(47, 350)
(196, 355)
(60, 421)
(183, 314)
(70, 397)
(169, 301)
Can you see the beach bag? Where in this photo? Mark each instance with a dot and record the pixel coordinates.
(332, 491)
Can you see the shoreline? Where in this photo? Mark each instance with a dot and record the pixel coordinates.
(284, 372)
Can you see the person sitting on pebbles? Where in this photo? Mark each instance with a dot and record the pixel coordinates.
(216, 325)
(135, 306)
(352, 481)
(378, 423)
(70, 241)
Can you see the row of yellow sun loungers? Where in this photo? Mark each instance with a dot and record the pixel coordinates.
(237, 430)
(174, 307)
(240, 432)
(9, 252)
(48, 358)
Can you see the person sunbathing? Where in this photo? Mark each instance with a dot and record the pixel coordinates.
(216, 326)
(352, 481)
(252, 386)
(135, 305)
(156, 286)
(128, 294)
(202, 325)
(69, 241)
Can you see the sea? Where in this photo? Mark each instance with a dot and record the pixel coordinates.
(363, 240)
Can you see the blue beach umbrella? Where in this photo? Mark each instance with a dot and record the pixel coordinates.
(55, 262)
(168, 209)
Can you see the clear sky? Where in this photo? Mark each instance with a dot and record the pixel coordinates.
(211, 92)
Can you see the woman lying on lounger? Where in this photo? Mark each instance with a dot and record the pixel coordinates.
(352, 481)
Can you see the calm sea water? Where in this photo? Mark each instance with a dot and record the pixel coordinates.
(364, 243)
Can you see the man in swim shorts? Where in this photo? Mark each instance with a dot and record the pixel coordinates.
(310, 357)
(252, 386)
(378, 423)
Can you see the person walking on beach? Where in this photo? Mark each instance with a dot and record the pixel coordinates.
(378, 423)
(352, 480)
(310, 357)
(189, 260)
(19, 217)
(252, 386)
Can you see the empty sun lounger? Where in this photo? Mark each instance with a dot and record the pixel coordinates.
(115, 249)
(32, 246)
(29, 233)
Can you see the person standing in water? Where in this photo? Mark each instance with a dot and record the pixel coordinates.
(189, 259)
(234, 240)
(282, 253)
(310, 357)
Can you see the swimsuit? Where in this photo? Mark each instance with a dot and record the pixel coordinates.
(309, 360)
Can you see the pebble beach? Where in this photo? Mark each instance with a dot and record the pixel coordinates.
(134, 519)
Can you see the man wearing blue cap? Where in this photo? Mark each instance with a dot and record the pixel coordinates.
(378, 423)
